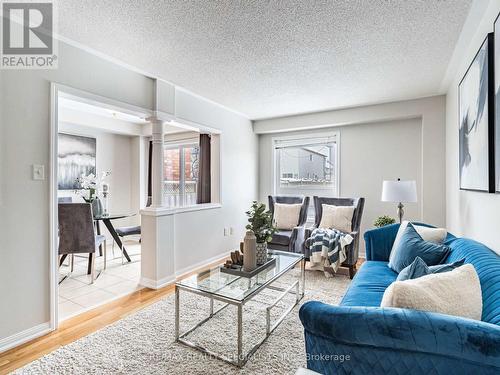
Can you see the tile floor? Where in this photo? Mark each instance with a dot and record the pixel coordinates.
(76, 295)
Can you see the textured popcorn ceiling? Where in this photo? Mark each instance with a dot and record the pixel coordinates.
(273, 58)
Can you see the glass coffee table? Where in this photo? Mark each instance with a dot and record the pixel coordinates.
(238, 290)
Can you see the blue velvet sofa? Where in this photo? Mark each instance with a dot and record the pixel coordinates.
(359, 337)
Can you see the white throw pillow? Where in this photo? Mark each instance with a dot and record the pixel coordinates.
(456, 292)
(436, 235)
(286, 216)
(337, 217)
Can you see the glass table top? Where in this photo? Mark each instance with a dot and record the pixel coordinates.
(113, 216)
(239, 288)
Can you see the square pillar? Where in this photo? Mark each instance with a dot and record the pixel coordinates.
(157, 248)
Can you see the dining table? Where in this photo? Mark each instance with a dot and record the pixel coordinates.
(107, 219)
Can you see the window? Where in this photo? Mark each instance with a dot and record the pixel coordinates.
(307, 166)
(181, 174)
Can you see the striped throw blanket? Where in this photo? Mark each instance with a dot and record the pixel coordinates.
(328, 249)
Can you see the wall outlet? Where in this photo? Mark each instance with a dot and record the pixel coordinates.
(38, 172)
(231, 231)
(226, 232)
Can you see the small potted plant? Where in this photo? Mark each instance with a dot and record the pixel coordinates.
(384, 220)
(261, 224)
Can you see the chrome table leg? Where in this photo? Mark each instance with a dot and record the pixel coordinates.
(303, 276)
(240, 335)
(176, 313)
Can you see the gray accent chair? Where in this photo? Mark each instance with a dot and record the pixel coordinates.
(77, 234)
(290, 240)
(352, 250)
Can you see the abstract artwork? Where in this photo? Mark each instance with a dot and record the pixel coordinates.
(476, 132)
(497, 102)
(76, 155)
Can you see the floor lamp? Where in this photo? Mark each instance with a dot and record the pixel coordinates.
(399, 192)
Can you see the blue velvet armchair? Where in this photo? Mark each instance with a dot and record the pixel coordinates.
(359, 337)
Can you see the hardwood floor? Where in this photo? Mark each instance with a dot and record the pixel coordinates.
(84, 324)
(80, 326)
(88, 322)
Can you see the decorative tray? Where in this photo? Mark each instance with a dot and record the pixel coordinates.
(238, 270)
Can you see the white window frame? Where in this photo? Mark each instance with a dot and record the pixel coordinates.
(181, 145)
(298, 139)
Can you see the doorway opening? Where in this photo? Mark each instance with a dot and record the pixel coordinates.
(99, 185)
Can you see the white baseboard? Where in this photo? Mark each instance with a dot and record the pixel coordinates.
(44, 328)
(24, 336)
(185, 270)
(156, 284)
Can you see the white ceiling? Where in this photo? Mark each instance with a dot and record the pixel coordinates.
(274, 58)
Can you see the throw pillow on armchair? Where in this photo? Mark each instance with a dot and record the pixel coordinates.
(286, 216)
(337, 217)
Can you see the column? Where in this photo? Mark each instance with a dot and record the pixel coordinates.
(157, 167)
(157, 224)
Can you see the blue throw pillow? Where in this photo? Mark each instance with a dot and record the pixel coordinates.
(418, 268)
(447, 267)
(411, 246)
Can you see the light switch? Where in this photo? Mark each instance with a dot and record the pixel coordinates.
(38, 172)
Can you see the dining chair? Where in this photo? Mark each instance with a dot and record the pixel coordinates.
(77, 234)
(126, 231)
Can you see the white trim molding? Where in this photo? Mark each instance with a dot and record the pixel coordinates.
(298, 139)
(69, 92)
(166, 211)
(156, 284)
(53, 225)
(166, 281)
(24, 336)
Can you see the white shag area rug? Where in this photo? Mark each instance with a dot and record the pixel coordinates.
(143, 343)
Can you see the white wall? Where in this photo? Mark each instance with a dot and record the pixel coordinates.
(24, 211)
(197, 236)
(117, 154)
(470, 214)
(400, 139)
(238, 149)
(24, 203)
(369, 153)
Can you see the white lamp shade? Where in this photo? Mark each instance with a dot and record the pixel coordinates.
(399, 191)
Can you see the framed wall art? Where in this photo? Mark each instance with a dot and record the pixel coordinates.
(476, 127)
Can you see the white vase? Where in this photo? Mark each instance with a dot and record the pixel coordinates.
(261, 253)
